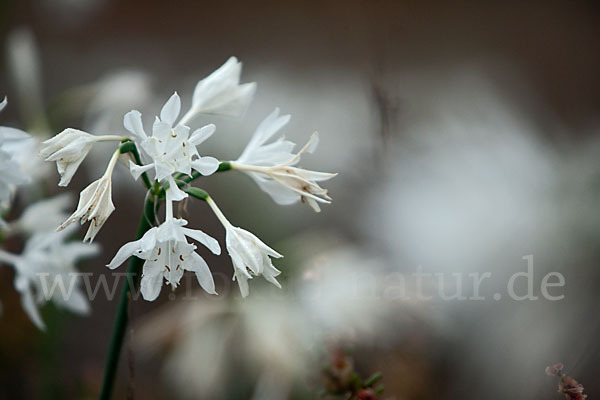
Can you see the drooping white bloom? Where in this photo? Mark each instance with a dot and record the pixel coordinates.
(273, 165)
(69, 148)
(168, 254)
(42, 216)
(11, 174)
(250, 256)
(171, 147)
(95, 203)
(45, 271)
(220, 93)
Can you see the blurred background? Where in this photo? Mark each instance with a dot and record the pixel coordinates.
(465, 135)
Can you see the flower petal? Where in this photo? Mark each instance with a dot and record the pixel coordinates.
(265, 130)
(28, 302)
(173, 192)
(137, 247)
(170, 110)
(206, 165)
(211, 243)
(200, 135)
(137, 170)
(150, 286)
(133, 123)
(205, 278)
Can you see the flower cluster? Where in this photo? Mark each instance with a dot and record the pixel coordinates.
(48, 259)
(572, 389)
(169, 160)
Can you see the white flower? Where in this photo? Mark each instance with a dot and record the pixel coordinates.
(171, 148)
(250, 256)
(69, 148)
(11, 173)
(220, 93)
(42, 216)
(95, 203)
(168, 254)
(272, 165)
(45, 271)
(10, 176)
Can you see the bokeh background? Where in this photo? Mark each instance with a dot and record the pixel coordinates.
(465, 135)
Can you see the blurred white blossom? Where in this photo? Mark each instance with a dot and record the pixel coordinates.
(43, 216)
(45, 271)
(275, 334)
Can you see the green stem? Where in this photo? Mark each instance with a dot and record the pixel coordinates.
(120, 325)
(197, 193)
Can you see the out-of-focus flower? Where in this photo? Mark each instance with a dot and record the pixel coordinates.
(42, 216)
(45, 271)
(272, 165)
(555, 370)
(567, 385)
(250, 256)
(172, 149)
(168, 254)
(69, 148)
(95, 203)
(113, 95)
(220, 93)
(24, 67)
(11, 174)
(278, 333)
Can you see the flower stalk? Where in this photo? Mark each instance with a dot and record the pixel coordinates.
(122, 317)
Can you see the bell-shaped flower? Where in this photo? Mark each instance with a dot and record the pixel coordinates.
(273, 165)
(69, 148)
(221, 93)
(171, 147)
(45, 271)
(249, 255)
(95, 203)
(167, 254)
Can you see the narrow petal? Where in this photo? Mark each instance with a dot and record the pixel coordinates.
(173, 192)
(133, 123)
(28, 303)
(150, 286)
(211, 243)
(137, 170)
(200, 135)
(265, 130)
(242, 281)
(67, 174)
(170, 110)
(279, 193)
(205, 278)
(126, 251)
